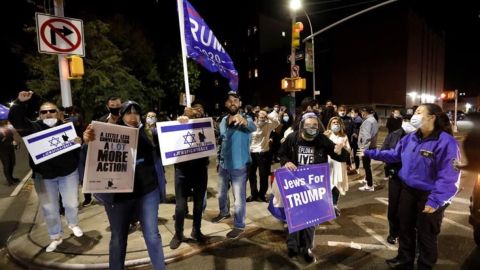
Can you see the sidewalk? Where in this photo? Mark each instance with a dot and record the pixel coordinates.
(27, 245)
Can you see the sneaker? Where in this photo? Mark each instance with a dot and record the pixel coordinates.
(76, 230)
(366, 188)
(251, 199)
(176, 241)
(391, 239)
(53, 245)
(133, 227)
(219, 218)
(198, 236)
(235, 233)
(309, 257)
(86, 202)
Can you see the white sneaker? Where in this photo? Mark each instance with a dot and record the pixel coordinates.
(366, 188)
(363, 182)
(76, 230)
(53, 245)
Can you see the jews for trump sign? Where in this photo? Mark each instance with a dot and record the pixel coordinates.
(52, 142)
(186, 141)
(306, 195)
(111, 159)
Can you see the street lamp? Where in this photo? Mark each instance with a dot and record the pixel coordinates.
(295, 5)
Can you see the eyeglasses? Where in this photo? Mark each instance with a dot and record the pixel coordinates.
(48, 111)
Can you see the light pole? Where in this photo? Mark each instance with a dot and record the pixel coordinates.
(294, 6)
(313, 55)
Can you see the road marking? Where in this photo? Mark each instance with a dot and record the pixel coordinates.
(356, 245)
(447, 220)
(373, 234)
(21, 184)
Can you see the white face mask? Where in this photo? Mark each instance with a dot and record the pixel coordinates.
(151, 121)
(341, 114)
(50, 121)
(416, 120)
(335, 128)
(286, 118)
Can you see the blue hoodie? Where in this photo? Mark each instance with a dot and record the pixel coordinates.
(427, 164)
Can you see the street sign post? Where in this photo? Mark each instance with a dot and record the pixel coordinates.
(59, 35)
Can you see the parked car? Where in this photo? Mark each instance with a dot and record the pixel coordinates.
(460, 115)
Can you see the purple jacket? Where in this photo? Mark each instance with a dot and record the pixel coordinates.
(427, 164)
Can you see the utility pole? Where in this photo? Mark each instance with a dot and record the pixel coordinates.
(65, 87)
(292, 62)
(455, 129)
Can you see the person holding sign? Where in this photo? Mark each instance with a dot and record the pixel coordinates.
(142, 202)
(430, 180)
(303, 147)
(52, 177)
(234, 156)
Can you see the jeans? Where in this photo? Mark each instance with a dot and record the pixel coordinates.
(262, 161)
(186, 178)
(394, 191)
(238, 180)
(48, 191)
(368, 170)
(119, 216)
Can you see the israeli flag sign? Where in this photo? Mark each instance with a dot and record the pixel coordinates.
(52, 142)
(181, 142)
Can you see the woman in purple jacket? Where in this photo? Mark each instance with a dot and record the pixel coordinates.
(430, 180)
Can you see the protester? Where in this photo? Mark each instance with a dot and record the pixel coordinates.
(52, 177)
(143, 202)
(7, 152)
(191, 179)
(261, 154)
(430, 180)
(357, 122)
(338, 170)
(303, 147)
(233, 159)
(367, 139)
(394, 181)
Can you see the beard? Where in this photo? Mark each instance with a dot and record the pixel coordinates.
(232, 110)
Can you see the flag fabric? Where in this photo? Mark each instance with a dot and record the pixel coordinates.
(203, 46)
(4, 112)
(309, 56)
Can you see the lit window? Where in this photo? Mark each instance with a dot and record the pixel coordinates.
(225, 44)
(256, 73)
(249, 74)
(248, 32)
(283, 33)
(255, 29)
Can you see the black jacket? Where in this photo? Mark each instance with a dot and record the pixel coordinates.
(390, 142)
(324, 147)
(61, 165)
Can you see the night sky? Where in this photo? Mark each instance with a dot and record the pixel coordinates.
(458, 18)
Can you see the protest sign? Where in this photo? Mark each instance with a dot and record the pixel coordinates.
(306, 195)
(111, 159)
(182, 142)
(52, 142)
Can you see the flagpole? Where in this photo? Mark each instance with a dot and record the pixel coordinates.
(181, 22)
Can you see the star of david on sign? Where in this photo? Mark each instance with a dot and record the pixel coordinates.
(189, 138)
(54, 141)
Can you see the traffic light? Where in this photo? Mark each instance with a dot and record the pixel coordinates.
(75, 67)
(296, 29)
(294, 84)
(447, 95)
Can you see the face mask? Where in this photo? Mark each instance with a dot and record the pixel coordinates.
(416, 120)
(335, 128)
(342, 114)
(50, 121)
(114, 111)
(286, 118)
(310, 132)
(396, 115)
(151, 120)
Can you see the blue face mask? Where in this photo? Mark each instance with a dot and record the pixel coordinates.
(286, 118)
(335, 128)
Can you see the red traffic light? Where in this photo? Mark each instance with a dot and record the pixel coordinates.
(447, 95)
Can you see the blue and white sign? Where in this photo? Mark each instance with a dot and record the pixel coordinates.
(52, 142)
(181, 142)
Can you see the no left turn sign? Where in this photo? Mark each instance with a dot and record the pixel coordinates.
(59, 35)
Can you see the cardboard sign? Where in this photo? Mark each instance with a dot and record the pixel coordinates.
(52, 142)
(306, 194)
(111, 159)
(182, 142)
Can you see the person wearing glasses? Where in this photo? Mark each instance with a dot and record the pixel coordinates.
(52, 177)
